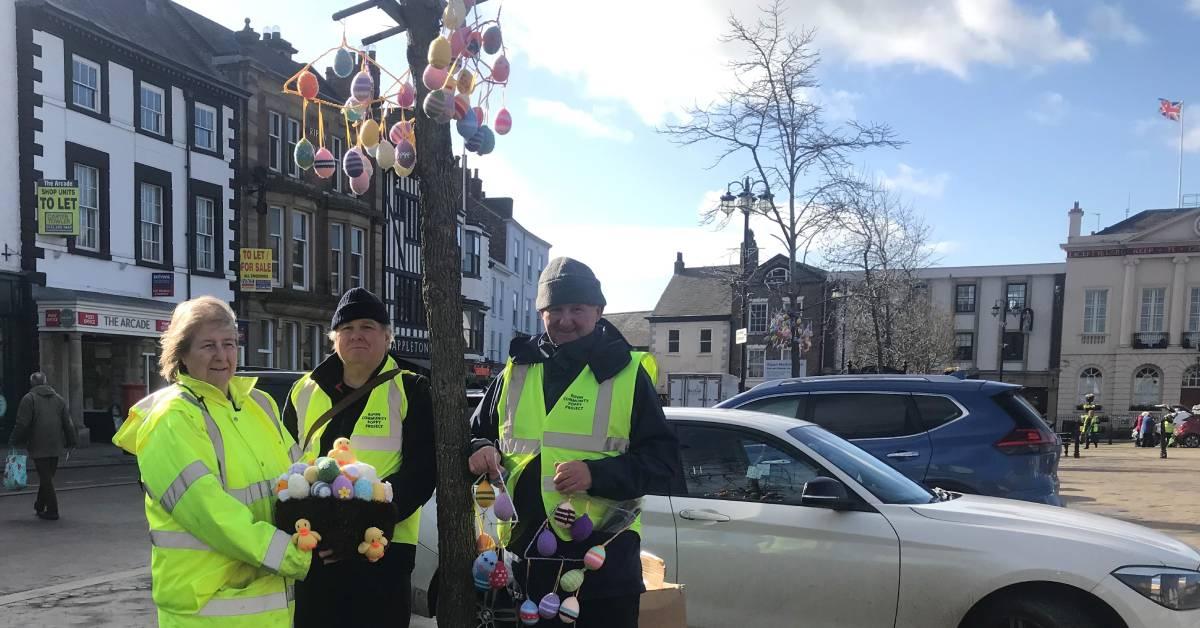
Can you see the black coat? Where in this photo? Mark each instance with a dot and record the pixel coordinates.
(647, 466)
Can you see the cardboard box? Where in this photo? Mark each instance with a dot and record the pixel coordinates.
(663, 607)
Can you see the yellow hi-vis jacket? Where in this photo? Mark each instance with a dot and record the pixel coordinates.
(208, 464)
(378, 435)
(591, 420)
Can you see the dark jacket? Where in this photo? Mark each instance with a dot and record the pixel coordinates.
(646, 467)
(43, 424)
(413, 484)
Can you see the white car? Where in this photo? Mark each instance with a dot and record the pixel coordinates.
(777, 522)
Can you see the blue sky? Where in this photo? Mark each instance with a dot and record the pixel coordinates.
(1012, 111)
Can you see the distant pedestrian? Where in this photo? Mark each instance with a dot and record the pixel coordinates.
(1146, 438)
(44, 428)
(1138, 426)
(1090, 426)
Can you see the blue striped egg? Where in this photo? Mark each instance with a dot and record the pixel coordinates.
(568, 612)
(352, 163)
(468, 124)
(362, 87)
(529, 613)
(548, 607)
(481, 581)
(343, 63)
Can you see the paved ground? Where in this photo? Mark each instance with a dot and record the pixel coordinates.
(1133, 484)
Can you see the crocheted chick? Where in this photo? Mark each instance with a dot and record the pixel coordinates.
(341, 452)
(305, 538)
(373, 544)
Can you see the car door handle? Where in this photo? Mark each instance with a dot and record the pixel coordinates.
(703, 515)
(904, 454)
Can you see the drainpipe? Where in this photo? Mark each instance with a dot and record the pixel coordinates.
(187, 173)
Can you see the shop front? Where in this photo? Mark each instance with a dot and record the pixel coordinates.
(17, 358)
(100, 352)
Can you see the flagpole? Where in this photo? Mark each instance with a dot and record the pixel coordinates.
(1179, 184)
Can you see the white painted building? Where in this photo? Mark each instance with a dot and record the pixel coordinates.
(1131, 317)
(692, 323)
(517, 259)
(149, 137)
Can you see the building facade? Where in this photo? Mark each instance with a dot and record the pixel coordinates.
(149, 133)
(767, 312)
(1028, 339)
(691, 326)
(1131, 315)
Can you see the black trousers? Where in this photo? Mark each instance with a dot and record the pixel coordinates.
(47, 499)
(354, 592)
(605, 612)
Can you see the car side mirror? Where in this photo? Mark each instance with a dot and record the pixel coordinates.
(825, 493)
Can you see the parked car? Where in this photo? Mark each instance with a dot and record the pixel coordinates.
(778, 522)
(969, 436)
(1187, 432)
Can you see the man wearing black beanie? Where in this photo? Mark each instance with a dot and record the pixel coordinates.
(390, 426)
(575, 419)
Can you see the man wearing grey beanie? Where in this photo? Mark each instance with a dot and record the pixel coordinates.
(575, 418)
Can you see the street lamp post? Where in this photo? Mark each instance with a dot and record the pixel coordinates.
(746, 202)
(1001, 311)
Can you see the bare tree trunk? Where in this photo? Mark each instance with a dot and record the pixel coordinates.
(442, 290)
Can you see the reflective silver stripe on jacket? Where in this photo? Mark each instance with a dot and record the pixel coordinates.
(394, 441)
(276, 551)
(301, 405)
(187, 477)
(172, 539)
(229, 607)
(264, 402)
(598, 441)
(214, 434)
(252, 493)
(510, 444)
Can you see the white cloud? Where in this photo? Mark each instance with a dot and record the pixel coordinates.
(1193, 6)
(838, 104)
(1052, 108)
(947, 35)
(1109, 22)
(1191, 140)
(914, 181)
(708, 202)
(586, 123)
(945, 247)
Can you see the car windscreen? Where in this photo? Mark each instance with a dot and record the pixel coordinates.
(885, 483)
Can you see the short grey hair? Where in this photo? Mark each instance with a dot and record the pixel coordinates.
(37, 378)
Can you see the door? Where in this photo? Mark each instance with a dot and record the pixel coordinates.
(749, 554)
(676, 389)
(884, 424)
(712, 391)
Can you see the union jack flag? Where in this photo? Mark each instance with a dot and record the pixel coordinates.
(1170, 110)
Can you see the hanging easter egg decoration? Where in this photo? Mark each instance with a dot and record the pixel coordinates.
(308, 86)
(500, 69)
(406, 160)
(360, 184)
(352, 163)
(435, 104)
(500, 576)
(529, 613)
(482, 581)
(503, 122)
(439, 52)
(547, 543)
(447, 111)
(368, 133)
(564, 514)
(466, 82)
(503, 508)
(343, 63)
(304, 155)
(571, 580)
(452, 17)
(399, 131)
(486, 562)
(582, 528)
(474, 43)
(475, 141)
(485, 495)
(324, 165)
(353, 109)
(460, 106)
(434, 78)
(487, 143)
(594, 558)
(468, 124)
(407, 96)
(492, 40)
(458, 41)
(362, 86)
(385, 154)
(568, 612)
(484, 543)
(548, 607)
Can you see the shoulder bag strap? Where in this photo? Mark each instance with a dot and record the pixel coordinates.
(344, 403)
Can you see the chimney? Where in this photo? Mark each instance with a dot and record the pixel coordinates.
(1076, 219)
(275, 41)
(247, 36)
(679, 263)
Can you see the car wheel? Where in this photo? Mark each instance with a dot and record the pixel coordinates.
(1191, 440)
(1035, 611)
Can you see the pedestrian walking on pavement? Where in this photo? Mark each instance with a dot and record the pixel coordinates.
(209, 448)
(1089, 427)
(1166, 428)
(44, 428)
(389, 421)
(575, 419)
(1138, 423)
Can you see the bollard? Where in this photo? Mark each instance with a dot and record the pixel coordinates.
(1076, 443)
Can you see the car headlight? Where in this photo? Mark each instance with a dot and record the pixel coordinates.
(1176, 589)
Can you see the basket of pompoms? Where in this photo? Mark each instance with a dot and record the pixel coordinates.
(341, 499)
